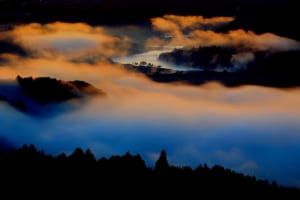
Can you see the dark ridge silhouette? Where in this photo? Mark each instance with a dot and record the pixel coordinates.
(125, 176)
(228, 79)
(209, 58)
(272, 69)
(215, 57)
(40, 96)
(46, 89)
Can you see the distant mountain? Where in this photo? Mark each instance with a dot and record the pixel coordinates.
(38, 96)
(206, 58)
(233, 67)
(46, 89)
(215, 58)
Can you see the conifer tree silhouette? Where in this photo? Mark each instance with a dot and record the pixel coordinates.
(162, 162)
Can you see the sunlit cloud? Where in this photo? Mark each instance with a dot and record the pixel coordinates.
(245, 40)
(70, 40)
(176, 29)
(188, 31)
(142, 116)
(169, 23)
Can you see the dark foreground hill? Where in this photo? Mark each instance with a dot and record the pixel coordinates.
(30, 172)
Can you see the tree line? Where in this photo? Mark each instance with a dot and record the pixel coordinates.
(125, 175)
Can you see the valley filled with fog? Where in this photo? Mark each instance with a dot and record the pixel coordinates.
(249, 128)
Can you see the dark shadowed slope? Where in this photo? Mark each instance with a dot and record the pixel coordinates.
(276, 69)
(40, 96)
(80, 173)
(46, 89)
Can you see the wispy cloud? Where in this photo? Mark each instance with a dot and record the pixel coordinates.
(195, 31)
(70, 40)
(170, 23)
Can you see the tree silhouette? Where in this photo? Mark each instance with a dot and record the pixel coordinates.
(127, 173)
(162, 162)
(89, 156)
(77, 155)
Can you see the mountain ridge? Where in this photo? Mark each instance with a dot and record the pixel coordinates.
(29, 162)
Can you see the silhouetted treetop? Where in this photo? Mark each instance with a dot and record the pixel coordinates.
(89, 156)
(77, 155)
(162, 161)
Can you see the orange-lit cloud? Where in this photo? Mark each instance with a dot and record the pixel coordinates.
(170, 23)
(141, 95)
(246, 40)
(69, 40)
(188, 31)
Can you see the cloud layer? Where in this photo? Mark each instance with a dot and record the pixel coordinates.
(250, 129)
(195, 31)
(74, 41)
